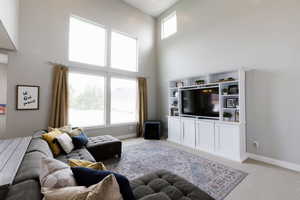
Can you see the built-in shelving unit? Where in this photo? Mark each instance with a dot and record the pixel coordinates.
(224, 135)
(231, 93)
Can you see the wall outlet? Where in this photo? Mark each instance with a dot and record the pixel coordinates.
(255, 144)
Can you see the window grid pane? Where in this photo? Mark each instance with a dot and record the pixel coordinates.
(169, 26)
(87, 43)
(87, 100)
(123, 52)
(123, 101)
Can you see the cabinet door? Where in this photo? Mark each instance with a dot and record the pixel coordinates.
(174, 129)
(188, 132)
(205, 131)
(227, 140)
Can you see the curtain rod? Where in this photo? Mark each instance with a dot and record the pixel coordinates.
(97, 69)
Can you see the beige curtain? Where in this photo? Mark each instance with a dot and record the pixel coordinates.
(143, 105)
(60, 99)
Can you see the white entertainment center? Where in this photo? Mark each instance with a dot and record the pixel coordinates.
(222, 133)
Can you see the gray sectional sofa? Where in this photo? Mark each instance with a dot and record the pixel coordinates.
(161, 185)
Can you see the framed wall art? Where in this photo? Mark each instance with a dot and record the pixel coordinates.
(28, 97)
(2, 109)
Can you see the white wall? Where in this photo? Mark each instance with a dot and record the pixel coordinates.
(44, 37)
(9, 14)
(262, 35)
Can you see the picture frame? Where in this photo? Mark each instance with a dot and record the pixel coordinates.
(27, 97)
(232, 102)
(233, 89)
(2, 109)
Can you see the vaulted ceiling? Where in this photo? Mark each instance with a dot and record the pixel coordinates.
(152, 7)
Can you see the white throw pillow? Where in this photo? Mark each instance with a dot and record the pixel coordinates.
(107, 189)
(65, 142)
(55, 174)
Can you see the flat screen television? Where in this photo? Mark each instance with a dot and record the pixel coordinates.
(200, 102)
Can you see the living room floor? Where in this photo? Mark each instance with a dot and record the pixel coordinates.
(263, 182)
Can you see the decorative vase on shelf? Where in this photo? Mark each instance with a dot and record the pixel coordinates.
(227, 119)
(227, 116)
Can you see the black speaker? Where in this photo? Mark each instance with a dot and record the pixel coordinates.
(152, 130)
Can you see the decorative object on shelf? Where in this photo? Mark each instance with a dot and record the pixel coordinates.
(175, 103)
(227, 116)
(225, 91)
(200, 82)
(175, 94)
(179, 84)
(174, 112)
(232, 102)
(2, 109)
(233, 89)
(237, 116)
(225, 80)
(28, 97)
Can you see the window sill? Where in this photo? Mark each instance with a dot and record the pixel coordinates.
(123, 124)
(111, 126)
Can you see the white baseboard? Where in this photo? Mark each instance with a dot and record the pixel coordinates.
(123, 137)
(280, 163)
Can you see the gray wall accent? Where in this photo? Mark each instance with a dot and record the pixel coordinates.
(44, 37)
(261, 35)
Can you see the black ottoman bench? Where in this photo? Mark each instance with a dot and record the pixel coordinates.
(104, 147)
(163, 185)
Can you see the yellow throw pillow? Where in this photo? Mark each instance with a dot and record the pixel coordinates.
(87, 164)
(64, 129)
(50, 138)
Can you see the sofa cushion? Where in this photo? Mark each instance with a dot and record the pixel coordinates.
(79, 154)
(38, 134)
(151, 187)
(40, 145)
(51, 139)
(87, 177)
(30, 167)
(108, 189)
(56, 174)
(65, 142)
(87, 164)
(80, 140)
(27, 190)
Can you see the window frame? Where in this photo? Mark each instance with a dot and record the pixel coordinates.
(106, 47)
(137, 101)
(100, 74)
(168, 17)
(106, 71)
(110, 50)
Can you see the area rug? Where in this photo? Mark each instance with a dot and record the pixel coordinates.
(214, 178)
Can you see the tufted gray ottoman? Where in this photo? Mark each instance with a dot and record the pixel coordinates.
(163, 185)
(104, 147)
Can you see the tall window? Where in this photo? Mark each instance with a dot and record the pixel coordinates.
(123, 52)
(87, 100)
(169, 26)
(87, 42)
(123, 100)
